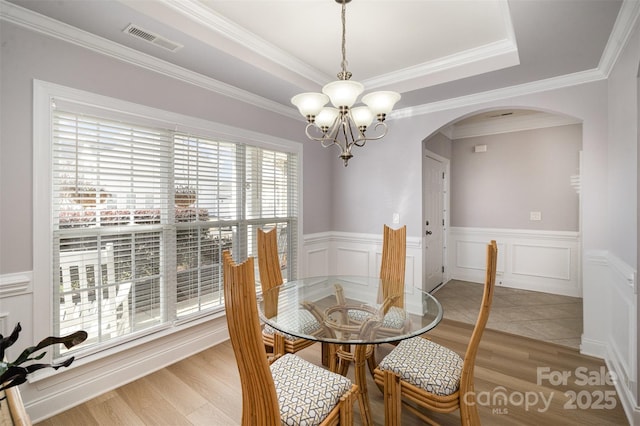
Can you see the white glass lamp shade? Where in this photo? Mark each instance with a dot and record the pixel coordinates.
(381, 102)
(310, 104)
(343, 93)
(362, 116)
(326, 117)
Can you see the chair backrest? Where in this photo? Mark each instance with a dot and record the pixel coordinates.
(82, 273)
(268, 260)
(392, 267)
(466, 380)
(269, 269)
(259, 399)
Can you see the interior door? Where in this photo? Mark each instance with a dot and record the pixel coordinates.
(433, 214)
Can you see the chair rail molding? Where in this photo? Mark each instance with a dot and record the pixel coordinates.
(16, 306)
(16, 284)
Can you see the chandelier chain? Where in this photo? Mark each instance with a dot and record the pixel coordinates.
(344, 74)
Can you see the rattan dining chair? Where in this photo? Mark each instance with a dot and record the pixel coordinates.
(270, 277)
(419, 373)
(393, 264)
(392, 272)
(289, 391)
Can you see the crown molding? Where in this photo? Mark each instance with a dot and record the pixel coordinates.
(14, 14)
(504, 93)
(490, 57)
(620, 34)
(56, 29)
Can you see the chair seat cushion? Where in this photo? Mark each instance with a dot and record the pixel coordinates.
(425, 364)
(303, 321)
(395, 317)
(306, 392)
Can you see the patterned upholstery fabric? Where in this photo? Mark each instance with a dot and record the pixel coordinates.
(394, 318)
(425, 364)
(306, 392)
(303, 321)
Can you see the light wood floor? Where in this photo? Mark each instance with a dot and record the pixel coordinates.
(205, 389)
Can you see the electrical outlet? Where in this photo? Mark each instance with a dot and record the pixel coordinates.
(535, 215)
(396, 218)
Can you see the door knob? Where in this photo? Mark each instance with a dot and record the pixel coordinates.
(429, 233)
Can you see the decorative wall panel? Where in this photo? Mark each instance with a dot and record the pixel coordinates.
(527, 259)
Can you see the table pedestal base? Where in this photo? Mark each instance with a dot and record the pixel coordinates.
(340, 356)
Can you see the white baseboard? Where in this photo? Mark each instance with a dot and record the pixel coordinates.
(629, 404)
(594, 348)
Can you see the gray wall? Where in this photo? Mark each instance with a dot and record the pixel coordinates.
(362, 200)
(519, 173)
(26, 56)
(383, 178)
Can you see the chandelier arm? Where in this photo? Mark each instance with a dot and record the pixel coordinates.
(321, 139)
(360, 142)
(328, 138)
(333, 134)
(351, 125)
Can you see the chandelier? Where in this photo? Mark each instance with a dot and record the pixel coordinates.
(342, 125)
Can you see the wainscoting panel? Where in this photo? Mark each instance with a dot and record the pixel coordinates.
(359, 254)
(318, 261)
(623, 329)
(531, 260)
(470, 256)
(542, 261)
(351, 261)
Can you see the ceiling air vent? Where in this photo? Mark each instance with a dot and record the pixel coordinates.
(152, 38)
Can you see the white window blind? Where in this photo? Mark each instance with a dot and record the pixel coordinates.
(141, 215)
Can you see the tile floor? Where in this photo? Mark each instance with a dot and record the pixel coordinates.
(540, 316)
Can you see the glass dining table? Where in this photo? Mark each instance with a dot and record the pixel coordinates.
(351, 315)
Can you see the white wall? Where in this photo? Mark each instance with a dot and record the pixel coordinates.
(622, 225)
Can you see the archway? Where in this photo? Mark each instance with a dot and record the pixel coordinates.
(515, 177)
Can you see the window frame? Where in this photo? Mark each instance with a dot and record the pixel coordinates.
(44, 94)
